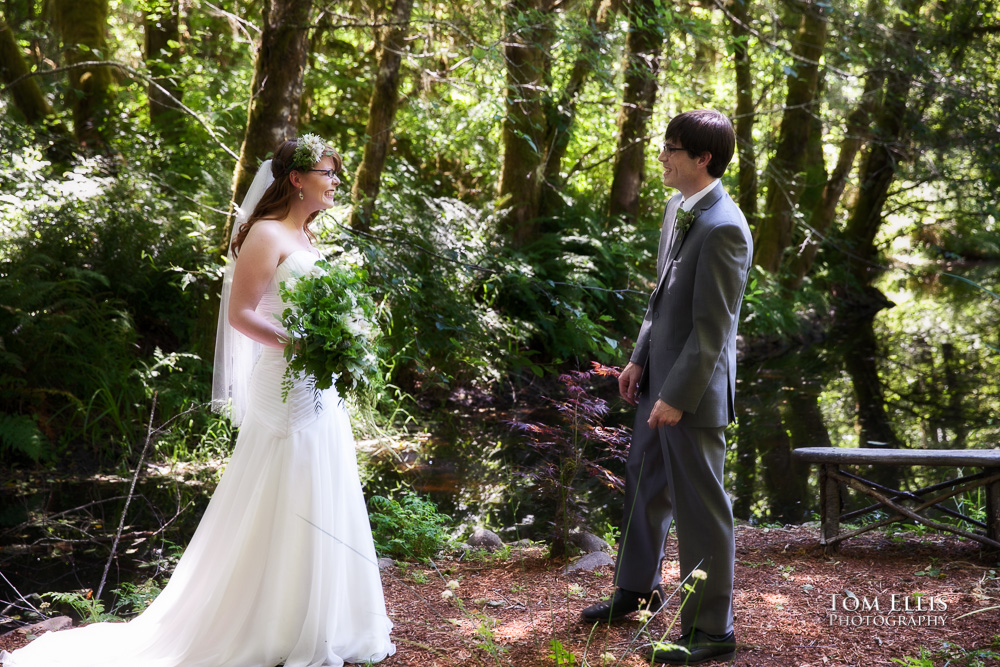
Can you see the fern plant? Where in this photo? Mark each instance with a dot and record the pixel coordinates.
(87, 607)
(20, 434)
(132, 600)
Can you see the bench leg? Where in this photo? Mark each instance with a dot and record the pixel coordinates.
(829, 501)
(993, 511)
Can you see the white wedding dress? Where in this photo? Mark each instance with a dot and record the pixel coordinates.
(281, 569)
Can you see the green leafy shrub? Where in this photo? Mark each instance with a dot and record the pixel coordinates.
(568, 293)
(439, 329)
(464, 308)
(411, 529)
(98, 275)
(68, 351)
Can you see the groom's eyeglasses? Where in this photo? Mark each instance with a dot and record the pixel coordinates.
(329, 173)
(672, 149)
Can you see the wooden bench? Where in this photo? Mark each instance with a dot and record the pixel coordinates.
(830, 460)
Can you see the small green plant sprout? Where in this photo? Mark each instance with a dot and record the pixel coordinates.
(608, 658)
(484, 631)
(696, 575)
(688, 587)
(953, 654)
(668, 646)
(576, 590)
(934, 572)
(480, 555)
(925, 659)
(560, 655)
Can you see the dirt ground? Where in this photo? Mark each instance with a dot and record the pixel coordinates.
(784, 593)
(508, 609)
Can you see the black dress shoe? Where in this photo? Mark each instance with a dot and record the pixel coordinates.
(700, 646)
(622, 603)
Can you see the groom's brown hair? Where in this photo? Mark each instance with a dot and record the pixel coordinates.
(705, 131)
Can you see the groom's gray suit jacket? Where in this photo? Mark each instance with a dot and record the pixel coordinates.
(687, 342)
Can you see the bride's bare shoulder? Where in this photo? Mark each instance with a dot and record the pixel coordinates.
(266, 226)
(267, 231)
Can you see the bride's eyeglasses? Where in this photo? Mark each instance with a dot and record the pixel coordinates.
(329, 173)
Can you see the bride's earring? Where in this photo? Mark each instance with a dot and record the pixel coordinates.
(301, 196)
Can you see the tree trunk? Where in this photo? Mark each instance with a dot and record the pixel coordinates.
(381, 112)
(162, 26)
(822, 215)
(82, 25)
(803, 422)
(956, 415)
(785, 181)
(747, 183)
(525, 52)
(642, 59)
(272, 118)
(561, 115)
(886, 150)
(276, 89)
(28, 97)
(874, 425)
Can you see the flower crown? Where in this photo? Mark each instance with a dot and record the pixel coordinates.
(309, 149)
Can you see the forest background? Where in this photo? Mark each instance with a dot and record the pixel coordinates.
(501, 182)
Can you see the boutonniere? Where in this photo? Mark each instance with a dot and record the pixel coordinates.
(684, 220)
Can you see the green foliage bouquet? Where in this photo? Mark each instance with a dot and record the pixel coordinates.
(331, 318)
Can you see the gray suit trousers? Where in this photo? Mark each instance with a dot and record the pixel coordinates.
(675, 473)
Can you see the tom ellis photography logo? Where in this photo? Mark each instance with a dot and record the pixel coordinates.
(889, 610)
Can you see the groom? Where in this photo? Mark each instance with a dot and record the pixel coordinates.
(682, 377)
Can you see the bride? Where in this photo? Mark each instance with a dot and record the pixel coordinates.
(282, 568)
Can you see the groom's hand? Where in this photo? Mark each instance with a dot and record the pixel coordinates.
(628, 382)
(663, 414)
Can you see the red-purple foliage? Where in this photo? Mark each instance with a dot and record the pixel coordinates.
(573, 451)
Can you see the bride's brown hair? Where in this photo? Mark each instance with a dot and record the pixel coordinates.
(276, 201)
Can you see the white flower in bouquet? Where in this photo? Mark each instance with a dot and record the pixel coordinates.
(359, 325)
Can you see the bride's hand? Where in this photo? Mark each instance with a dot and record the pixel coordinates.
(295, 343)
